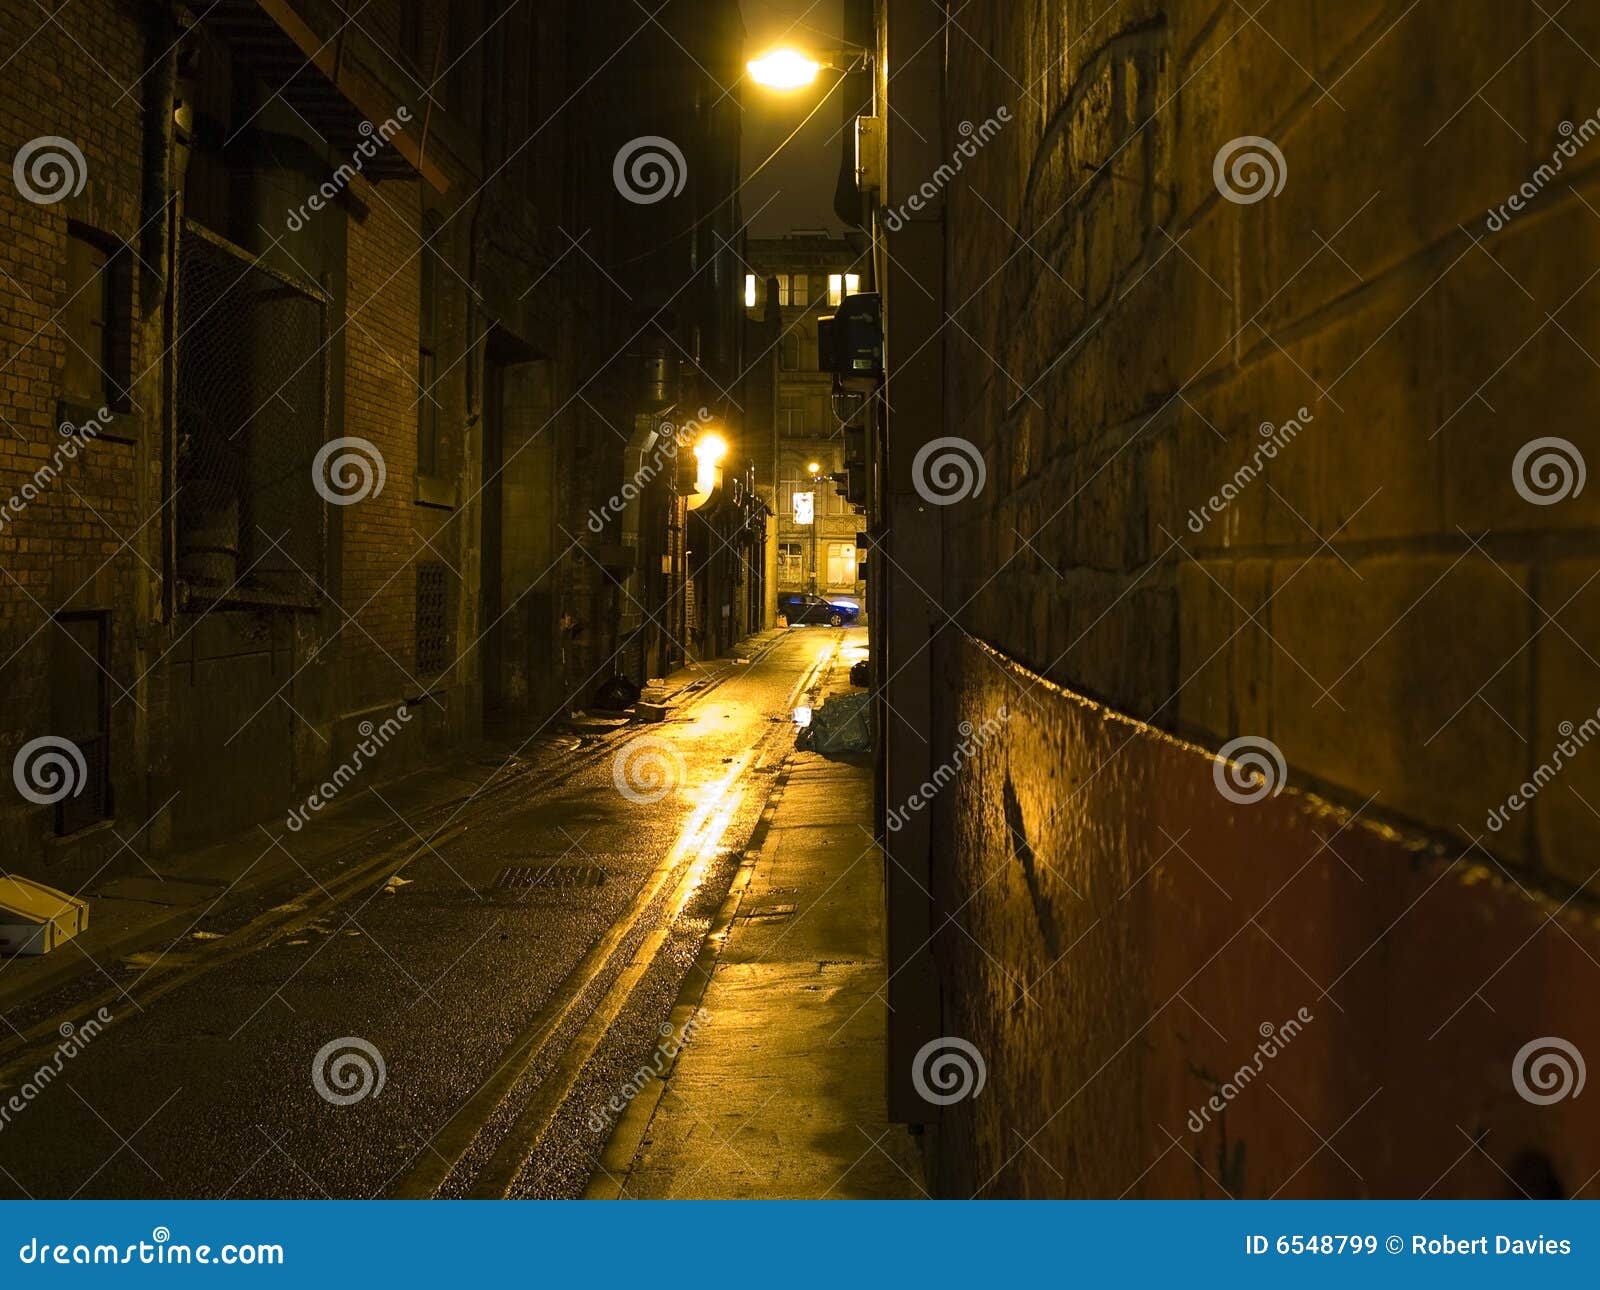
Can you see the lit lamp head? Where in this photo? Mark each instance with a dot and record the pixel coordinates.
(812, 467)
(784, 69)
(709, 450)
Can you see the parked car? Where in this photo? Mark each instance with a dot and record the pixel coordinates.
(802, 607)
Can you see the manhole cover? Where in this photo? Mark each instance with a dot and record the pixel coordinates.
(525, 877)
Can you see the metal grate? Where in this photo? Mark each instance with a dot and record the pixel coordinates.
(433, 619)
(252, 415)
(92, 803)
(524, 877)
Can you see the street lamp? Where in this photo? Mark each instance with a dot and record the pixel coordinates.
(789, 69)
(709, 450)
(784, 69)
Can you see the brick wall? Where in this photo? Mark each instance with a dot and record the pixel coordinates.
(77, 544)
(1378, 600)
(1375, 595)
(381, 395)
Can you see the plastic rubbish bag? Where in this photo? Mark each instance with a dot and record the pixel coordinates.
(841, 725)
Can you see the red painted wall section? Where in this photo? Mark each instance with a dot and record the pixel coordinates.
(1122, 943)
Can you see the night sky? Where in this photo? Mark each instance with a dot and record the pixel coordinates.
(798, 186)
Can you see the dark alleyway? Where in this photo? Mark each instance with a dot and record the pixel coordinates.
(449, 450)
(491, 982)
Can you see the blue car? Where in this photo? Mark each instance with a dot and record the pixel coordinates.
(802, 607)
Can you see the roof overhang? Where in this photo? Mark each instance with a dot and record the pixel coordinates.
(322, 78)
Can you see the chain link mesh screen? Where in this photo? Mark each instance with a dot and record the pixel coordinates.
(252, 411)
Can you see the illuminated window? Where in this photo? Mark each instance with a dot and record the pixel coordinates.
(800, 294)
(835, 288)
(749, 291)
(852, 283)
(783, 288)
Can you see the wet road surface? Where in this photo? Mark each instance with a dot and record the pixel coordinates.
(444, 1025)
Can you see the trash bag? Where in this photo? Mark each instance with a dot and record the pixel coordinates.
(616, 694)
(861, 673)
(841, 725)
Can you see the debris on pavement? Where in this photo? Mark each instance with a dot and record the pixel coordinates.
(843, 724)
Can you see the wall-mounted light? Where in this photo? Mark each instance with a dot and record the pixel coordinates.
(784, 69)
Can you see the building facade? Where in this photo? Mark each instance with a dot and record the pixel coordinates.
(789, 283)
(324, 334)
(1261, 501)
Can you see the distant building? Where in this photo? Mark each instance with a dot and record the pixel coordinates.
(789, 283)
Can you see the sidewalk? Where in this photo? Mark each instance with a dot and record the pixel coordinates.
(780, 1093)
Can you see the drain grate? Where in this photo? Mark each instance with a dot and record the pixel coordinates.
(549, 877)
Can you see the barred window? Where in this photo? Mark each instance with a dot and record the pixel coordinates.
(252, 418)
(433, 620)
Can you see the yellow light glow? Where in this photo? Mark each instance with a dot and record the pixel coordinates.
(813, 466)
(783, 69)
(710, 449)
